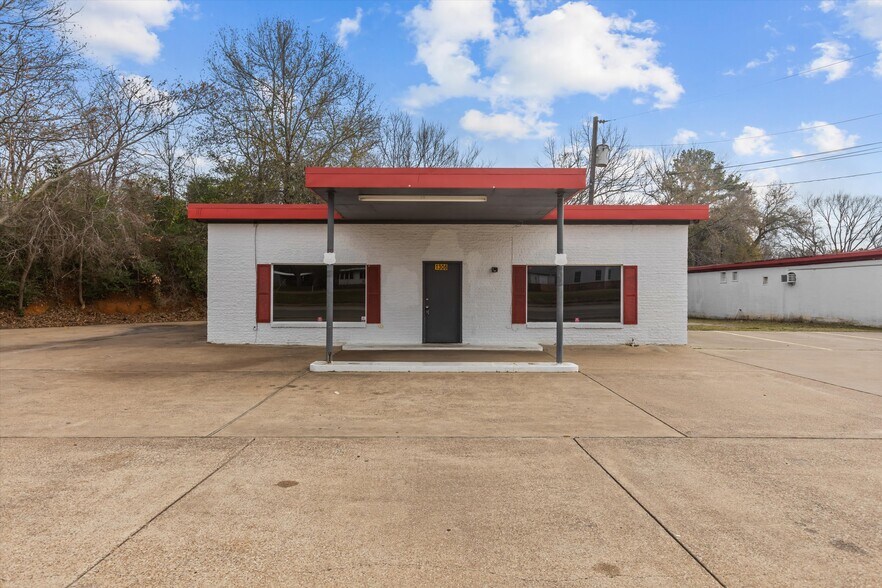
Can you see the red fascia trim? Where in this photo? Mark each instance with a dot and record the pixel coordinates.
(446, 178)
(632, 212)
(791, 261)
(259, 212)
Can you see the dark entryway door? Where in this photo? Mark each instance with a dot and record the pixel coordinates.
(442, 302)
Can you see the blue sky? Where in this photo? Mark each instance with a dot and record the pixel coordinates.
(509, 74)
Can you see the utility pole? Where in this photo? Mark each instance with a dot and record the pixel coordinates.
(593, 159)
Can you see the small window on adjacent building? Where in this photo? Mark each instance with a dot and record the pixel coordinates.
(765, 280)
(722, 277)
(734, 276)
(299, 292)
(598, 300)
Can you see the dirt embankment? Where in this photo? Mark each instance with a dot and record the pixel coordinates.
(114, 310)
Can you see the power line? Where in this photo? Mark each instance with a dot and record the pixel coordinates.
(761, 135)
(820, 179)
(805, 155)
(750, 87)
(818, 160)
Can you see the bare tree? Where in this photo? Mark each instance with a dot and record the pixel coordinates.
(616, 183)
(168, 155)
(405, 144)
(286, 99)
(38, 69)
(111, 117)
(840, 223)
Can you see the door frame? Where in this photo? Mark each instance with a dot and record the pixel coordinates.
(459, 265)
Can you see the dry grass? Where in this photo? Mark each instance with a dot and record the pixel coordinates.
(760, 325)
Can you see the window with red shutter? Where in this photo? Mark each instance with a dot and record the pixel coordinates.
(373, 295)
(629, 294)
(264, 292)
(518, 294)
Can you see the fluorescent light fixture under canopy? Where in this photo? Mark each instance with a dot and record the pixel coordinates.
(420, 198)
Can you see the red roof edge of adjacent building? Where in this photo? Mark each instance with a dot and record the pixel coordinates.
(318, 212)
(865, 255)
(633, 212)
(258, 212)
(482, 178)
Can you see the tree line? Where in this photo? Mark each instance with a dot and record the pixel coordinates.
(96, 166)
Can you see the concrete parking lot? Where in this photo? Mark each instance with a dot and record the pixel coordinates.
(140, 455)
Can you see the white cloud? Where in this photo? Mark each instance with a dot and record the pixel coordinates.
(442, 33)
(828, 138)
(771, 55)
(752, 141)
(771, 28)
(826, 5)
(573, 49)
(830, 52)
(505, 125)
(877, 70)
(348, 27)
(762, 177)
(865, 17)
(684, 136)
(114, 30)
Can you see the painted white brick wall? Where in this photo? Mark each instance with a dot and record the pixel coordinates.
(834, 292)
(659, 251)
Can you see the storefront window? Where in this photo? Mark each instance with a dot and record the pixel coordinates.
(592, 294)
(300, 291)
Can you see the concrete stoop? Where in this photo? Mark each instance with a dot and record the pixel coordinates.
(444, 366)
(440, 347)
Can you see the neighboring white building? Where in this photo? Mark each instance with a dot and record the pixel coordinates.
(840, 287)
(445, 256)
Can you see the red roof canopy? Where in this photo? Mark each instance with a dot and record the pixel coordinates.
(319, 179)
(496, 194)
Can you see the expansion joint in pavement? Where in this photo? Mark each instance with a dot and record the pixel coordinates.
(651, 515)
(270, 395)
(762, 367)
(637, 406)
(161, 512)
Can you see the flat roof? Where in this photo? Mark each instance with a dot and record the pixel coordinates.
(865, 255)
(576, 213)
(448, 194)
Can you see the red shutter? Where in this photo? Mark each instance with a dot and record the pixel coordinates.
(518, 294)
(373, 294)
(629, 291)
(264, 291)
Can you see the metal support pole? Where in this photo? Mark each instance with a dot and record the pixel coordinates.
(560, 275)
(329, 301)
(592, 160)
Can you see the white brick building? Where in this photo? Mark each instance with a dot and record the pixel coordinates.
(472, 265)
(841, 287)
